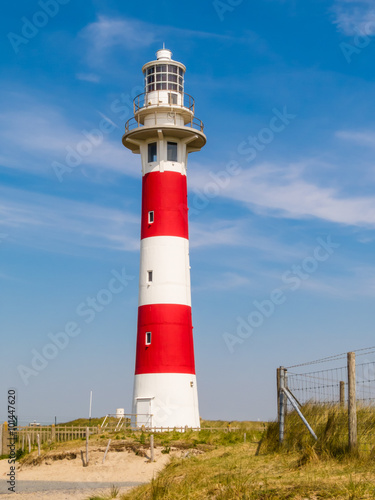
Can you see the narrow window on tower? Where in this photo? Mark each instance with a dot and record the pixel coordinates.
(151, 217)
(172, 151)
(152, 152)
(148, 338)
(149, 276)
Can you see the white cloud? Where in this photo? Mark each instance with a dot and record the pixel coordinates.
(88, 77)
(217, 233)
(351, 16)
(59, 224)
(130, 34)
(38, 135)
(226, 281)
(366, 138)
(110, 32)
(282, 191)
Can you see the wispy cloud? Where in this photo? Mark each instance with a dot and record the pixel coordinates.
(365, 138)
(37, 135)
(62, 225)
(88, 77)
(111, 32)
(283, 191)
(351, 16)
(108, 32)
(226, 281)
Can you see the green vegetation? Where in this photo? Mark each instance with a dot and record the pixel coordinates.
(84, 422)
(226, 468)
(330, 424)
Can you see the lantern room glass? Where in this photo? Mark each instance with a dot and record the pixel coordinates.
(164, 77)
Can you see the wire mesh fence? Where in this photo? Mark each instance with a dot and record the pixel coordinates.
(338, 404)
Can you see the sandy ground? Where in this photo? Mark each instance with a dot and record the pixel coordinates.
(67, 479)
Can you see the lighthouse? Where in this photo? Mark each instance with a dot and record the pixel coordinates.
(164, 130)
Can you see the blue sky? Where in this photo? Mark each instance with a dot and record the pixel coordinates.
(264, 193)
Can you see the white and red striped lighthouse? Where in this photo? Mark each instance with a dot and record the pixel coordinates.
(164, 131)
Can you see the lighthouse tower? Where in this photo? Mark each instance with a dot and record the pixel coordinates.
(164, 131)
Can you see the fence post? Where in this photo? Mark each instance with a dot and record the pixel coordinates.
(4, 439)
(53, 436)
(352, 403)
(282, 402)
(278, 393)
(151, 448)
(38, 441)
(1, 440)
(342, 393)
(106, 450)
(87, 445)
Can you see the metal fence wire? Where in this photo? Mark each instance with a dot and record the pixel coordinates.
(321, 391)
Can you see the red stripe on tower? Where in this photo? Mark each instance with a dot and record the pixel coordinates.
(164, 205)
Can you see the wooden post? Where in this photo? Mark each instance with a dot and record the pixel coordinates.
(244, 437)
(87, 445)
(38, 441)
(352, 403)
(106, 450)
(152, 448)
(23, 441)
(342, 393)
(53, 436)
(5, 439)
(29, 440)
(1, 440)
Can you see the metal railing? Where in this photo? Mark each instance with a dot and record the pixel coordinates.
(162, 98)
(194, 123)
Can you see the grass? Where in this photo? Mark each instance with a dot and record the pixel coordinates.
(330, 424)
(83, 422)
(301, 469)
(237, 473)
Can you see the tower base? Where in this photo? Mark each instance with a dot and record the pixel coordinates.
(166, 400)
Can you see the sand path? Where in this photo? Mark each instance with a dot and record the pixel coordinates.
(67, 479)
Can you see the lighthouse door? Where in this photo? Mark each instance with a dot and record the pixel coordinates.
(144, 412)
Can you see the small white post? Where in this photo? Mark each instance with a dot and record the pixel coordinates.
(90, 406)
(38, 440)
(29, 440)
